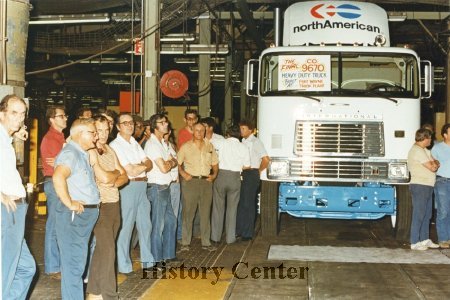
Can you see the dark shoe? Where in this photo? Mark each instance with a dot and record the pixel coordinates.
(209, 248)
(215, 244)
(172, 261)
(245, 239)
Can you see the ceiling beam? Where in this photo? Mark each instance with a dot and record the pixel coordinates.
(249, 22)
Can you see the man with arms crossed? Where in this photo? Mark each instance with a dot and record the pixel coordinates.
(134, 205)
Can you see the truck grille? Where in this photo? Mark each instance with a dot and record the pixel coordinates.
(350, 170)
(324, 138)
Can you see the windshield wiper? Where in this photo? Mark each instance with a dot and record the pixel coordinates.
(370, 93)
(306, 96)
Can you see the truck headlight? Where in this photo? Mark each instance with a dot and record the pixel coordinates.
(279, 168)
(398, 171)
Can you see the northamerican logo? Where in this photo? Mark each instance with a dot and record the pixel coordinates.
(347, 11)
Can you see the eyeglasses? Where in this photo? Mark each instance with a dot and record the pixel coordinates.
(127, 123)
(162, 122)
(61, 116)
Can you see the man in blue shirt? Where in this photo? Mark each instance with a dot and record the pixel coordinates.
(441, 152)
(78, 209)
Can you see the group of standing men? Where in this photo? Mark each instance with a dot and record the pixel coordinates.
(430, 172)
(85, 178)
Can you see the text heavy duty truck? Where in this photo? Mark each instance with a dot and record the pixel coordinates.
(337, 112)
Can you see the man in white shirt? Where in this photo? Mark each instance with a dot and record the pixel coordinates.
(134, 204)
(212, 137)
(164, 221)
(259, 160)
(18, 266)
(233, 158)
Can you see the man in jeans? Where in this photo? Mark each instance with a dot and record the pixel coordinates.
(18, 266)
(441, 152)
(77, 210)
(164, 221)
(134, 205)
(51, 145)
(422, 167)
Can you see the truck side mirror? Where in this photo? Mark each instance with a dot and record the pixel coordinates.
(428, 76)
(251, 84)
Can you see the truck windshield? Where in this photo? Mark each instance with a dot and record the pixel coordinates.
(341, 74)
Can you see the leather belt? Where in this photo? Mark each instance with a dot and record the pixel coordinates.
(139, 179)
(21, 201)
(199, 177)
(91, 205)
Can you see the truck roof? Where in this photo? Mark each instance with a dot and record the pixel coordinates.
(332, 22)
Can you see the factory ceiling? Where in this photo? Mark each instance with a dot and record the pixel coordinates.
(91, 55)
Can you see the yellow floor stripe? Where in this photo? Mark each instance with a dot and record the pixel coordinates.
(205, 286)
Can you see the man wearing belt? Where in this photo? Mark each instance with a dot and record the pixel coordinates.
(18, 266)
(246, 214)
(441, 152)
(52, 143)
(233, 157)
(109, 177)
(164, 222)
(134, 205)
(77, 211)
(198, 166)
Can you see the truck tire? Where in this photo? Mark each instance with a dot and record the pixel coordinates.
(404, 213)
(269, 208)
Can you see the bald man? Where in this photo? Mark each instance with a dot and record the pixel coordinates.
(78, 209)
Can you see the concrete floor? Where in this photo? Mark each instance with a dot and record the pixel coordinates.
(318, 280)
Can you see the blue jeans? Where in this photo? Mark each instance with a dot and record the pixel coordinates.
(73, 232)
(175, 199)
(164, 222)
(134, 208)
(422, 201)
(442, 196)
(51, 252)
(18, 266)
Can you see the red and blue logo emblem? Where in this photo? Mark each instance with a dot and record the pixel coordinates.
(347, 11)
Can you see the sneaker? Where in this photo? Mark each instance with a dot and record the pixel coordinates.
(418, 246)
(209, 248)
(444, 245)
(429, 243)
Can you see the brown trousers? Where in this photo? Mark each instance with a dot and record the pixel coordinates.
(196, 193)
(102, 275)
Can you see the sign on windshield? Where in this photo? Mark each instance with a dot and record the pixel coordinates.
(304, 72)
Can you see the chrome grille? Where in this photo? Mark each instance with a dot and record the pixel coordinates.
(354, 170)
(323, 138)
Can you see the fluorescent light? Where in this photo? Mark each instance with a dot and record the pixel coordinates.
(396, 16)
(69, 19)
(178, 37)
(104, 61)
(194, 49)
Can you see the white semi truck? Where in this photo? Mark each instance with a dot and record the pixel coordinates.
(337, 112)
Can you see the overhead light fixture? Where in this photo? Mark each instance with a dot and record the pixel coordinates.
(194, 49)
(178, 37)
(189, 60)
(109, 60)
(396, 16)
(69, 19)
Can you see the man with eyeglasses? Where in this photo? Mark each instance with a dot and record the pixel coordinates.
(134, 205)
(18, 266)
(185, 133)
(164, 221)
(52, 143)
(78, 208)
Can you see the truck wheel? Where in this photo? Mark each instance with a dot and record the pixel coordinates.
(404, 213)
(269, 208)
